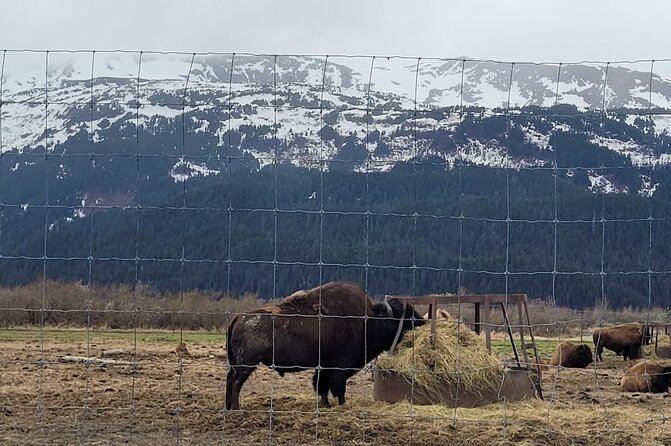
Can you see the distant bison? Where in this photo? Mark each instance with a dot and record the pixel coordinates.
(625, 340)
(647, 376)
(570, 354)
(292, 337)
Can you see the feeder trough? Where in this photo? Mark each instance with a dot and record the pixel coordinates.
(517, 384)
(498, 382)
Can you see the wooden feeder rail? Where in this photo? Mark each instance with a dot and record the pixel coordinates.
(483, 304)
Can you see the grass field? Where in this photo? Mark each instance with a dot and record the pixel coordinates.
(171, 398)
(500, 345)
(81, 335)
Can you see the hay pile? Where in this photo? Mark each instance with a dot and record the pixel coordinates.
(459, 357)
(663, 348)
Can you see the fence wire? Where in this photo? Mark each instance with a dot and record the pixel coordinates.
(135, 362)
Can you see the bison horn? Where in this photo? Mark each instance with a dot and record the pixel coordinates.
(390, 312)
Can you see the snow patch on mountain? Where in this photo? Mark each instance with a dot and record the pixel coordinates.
(540, 140)
(662, 123)
(184, 170)
(600, 183)
(637, 154)
(647, 189)
(287, 101)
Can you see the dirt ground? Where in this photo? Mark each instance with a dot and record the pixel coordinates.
(174, 399)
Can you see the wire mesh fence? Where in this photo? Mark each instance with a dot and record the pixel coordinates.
(150, 200)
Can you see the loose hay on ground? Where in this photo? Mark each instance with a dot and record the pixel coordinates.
(458, 357)
(608, 417)
(528, 423)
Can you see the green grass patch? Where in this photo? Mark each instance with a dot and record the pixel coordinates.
(79, 335)
(545, 347)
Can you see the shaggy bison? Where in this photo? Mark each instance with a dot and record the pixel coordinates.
(570, 354)
(334, 328)
(625, 340)
(647, 376)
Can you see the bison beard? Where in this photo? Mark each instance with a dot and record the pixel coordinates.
(334, 329)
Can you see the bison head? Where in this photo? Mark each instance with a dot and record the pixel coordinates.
(397, 310)
(395, 318)
(583, 355)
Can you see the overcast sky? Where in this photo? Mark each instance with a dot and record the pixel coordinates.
(510, 30)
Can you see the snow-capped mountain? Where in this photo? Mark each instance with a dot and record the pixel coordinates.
(361, 113)
(106, 156)
(433, 82)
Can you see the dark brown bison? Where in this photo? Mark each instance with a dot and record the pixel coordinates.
(334, 328)
(570, 354)
(625, 340)
(647, 376)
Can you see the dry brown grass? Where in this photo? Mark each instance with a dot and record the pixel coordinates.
(120, 306)
(117, 307)
(525, 423)
(176, 397)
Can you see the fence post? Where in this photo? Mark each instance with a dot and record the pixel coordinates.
(581, 315)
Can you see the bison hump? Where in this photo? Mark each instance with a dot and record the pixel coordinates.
(320, 308)
(334, 298)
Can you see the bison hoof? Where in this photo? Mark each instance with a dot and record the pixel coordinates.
(324, 403)
(233, 406)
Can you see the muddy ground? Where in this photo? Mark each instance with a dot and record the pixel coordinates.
(179, 399)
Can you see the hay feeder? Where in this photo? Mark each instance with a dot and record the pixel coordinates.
(480, 378)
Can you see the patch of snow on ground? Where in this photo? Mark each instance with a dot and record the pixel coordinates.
(560, 127)
(647, 188)
(601, 184)
(637, 154)
(662, 123)
(659, 100)
(154, 110)
(629, 120)
(264, 159)
(183, 170)
(536, 138)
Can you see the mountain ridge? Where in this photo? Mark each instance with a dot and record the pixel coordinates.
(129, 144)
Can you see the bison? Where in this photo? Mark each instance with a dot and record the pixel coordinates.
(625, 340)
(570, 354)
(647, 376)
(334, 328)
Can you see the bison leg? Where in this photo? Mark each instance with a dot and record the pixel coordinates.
(633, 352)
(321, 382)
(599, 350)
(339, 383)
(237, 375)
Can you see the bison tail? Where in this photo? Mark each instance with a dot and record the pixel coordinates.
(229, 332)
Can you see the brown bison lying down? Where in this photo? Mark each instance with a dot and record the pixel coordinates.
(334, 329)
(647, 376)
(625, 340)
(570, 354)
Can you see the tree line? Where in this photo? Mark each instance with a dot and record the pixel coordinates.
(420, 228)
